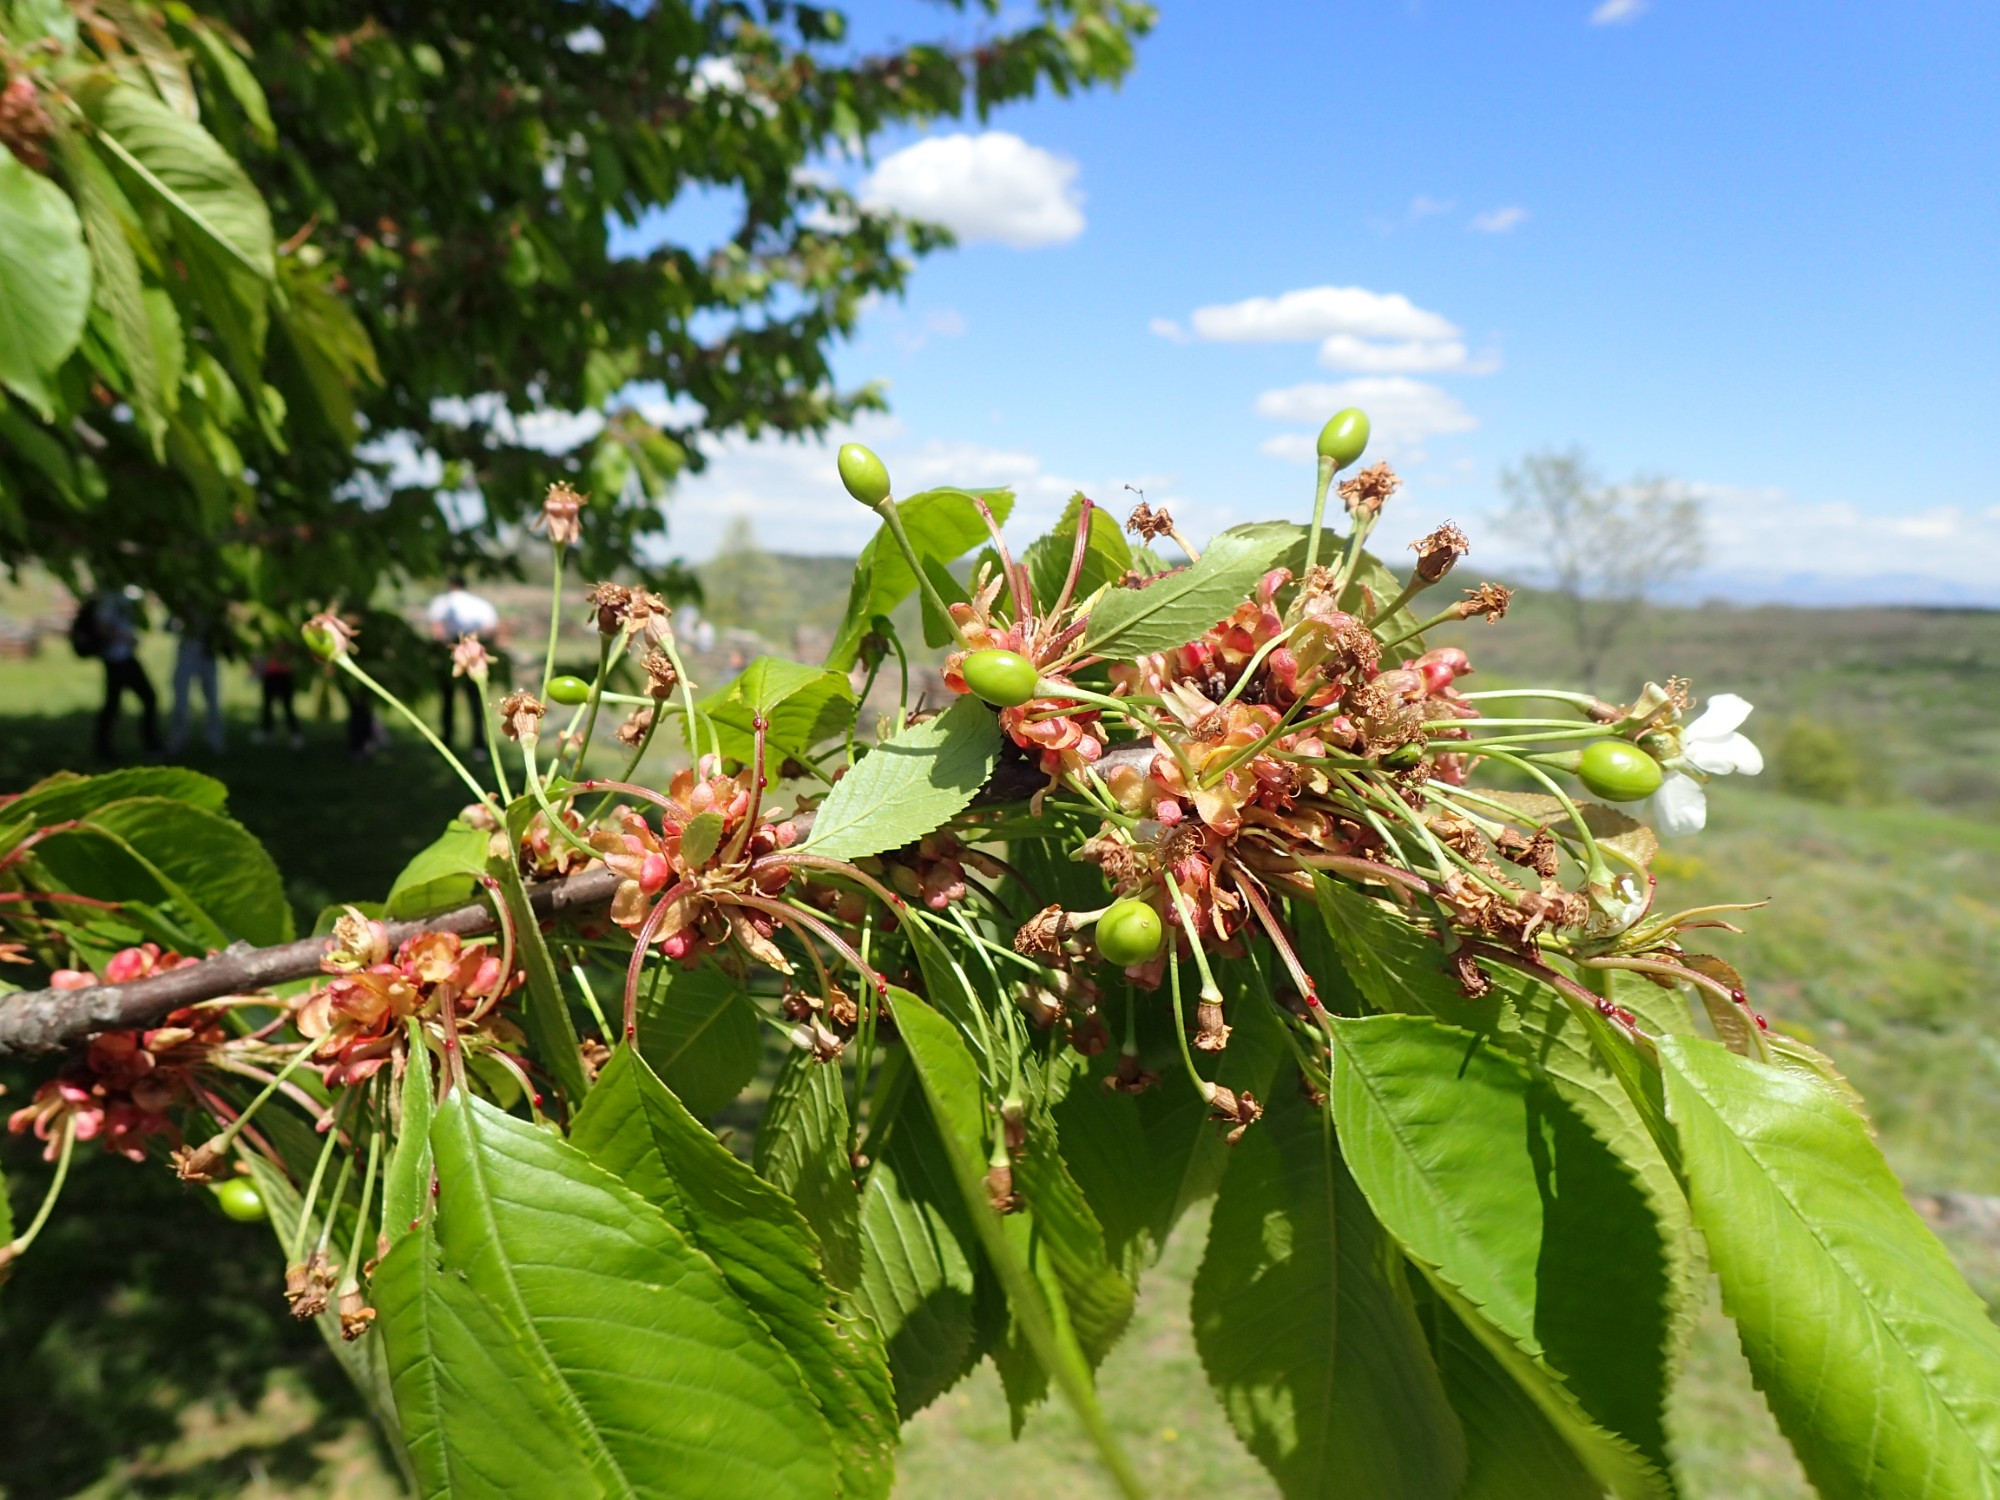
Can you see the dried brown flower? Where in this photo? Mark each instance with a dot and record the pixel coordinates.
(1000, 1189)
(609, 602)
(1128, 1077)
(661, 678)
(1489, 599)
(1367, 492)
(1240, 1111)
(469, 659)
(1149, 524)
(634, 730)
(1473, 981)
(560, 509)
(521, 717)
(1439, 552)
(1042, 935)
(1211, 1031)
(356, 1316)
(198, 1163)
(307, 1285)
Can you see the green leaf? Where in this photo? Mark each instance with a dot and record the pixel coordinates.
(1144, 1160)
(949, 1079)
(699, 1032)
(1511, 1449)
(185, 168)
(1882, 1367)
(1522, 1217)
(220, 59)
(937, 626)
(910, 785)
(803, 706)
(443, 874)
(551, 1031)
(1095, 1294)
(406, 1181)
(941, 524)
(1106, 555)
(215, 860)
(919, 1260)
(91, 861)
(1175, 609)
(1304, 1322)
(555, 1330)
(802, 1148)
(1595, 1071)
(633, 1126)
(65, 795)
(144, 331)
(44, 282)
(701, 836)
(1394, 967)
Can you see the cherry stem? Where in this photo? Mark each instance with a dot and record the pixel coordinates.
(642, 940)
(1075, 558)
(886, 509)
(1018, 591)
(26, 1237)
(758, 725)
(1327, 468)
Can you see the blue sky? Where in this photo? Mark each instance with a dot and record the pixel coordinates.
(1753, 247)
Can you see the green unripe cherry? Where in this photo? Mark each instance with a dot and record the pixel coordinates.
(1129, 933)
(240, 1200)
(1618, 772)
(1005, 679)
(863, 474)
(1344, 436)
(569, 690)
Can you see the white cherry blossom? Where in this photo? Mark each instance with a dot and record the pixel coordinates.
(1713, 744)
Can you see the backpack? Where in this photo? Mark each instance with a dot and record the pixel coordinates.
(86, 632)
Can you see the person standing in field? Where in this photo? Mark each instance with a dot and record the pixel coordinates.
(196, 660)
(114, 621)
(278, 678)
(453, 615)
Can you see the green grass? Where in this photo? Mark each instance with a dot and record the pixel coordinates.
(136, 1345)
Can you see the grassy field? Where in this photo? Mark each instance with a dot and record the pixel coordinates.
(136, 1345)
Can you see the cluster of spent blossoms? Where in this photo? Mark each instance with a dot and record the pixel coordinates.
(709, 875)
(126, 1088)
(358, 1019)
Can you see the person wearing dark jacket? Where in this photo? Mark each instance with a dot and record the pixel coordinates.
(117, 621)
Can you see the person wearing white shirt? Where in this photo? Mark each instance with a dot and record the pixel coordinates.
(454, 614)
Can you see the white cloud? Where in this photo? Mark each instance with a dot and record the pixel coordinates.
(792, 496)
(1403, 414)
(1618, 12)
(1167, 329)
(1500, 220)
(1343, 351)
(993, 186)
(1320, 312)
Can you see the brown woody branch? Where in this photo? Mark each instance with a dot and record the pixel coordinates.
(49, 1020)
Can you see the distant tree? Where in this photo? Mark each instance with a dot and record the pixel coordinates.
(1607, 547)
(251, 249)
(740, 586)
(1816, 761)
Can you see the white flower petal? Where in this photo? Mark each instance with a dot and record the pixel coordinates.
(1679, 807)
(1723, 717)
(1721, 757)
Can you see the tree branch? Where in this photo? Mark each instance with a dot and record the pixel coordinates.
(49, 1020)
